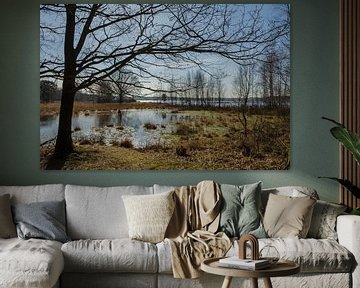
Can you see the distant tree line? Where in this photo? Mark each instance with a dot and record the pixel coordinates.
(119, 87)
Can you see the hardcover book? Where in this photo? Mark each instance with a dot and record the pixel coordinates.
(249, 264)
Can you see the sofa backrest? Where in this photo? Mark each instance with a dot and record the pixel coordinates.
(35, 193)
(98, 212)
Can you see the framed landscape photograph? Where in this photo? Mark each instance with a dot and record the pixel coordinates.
(165, 86)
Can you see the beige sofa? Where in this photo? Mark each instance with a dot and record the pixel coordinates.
(101, 254)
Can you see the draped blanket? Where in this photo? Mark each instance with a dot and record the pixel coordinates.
(191, 232)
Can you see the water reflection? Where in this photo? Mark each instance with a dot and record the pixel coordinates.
(131, 123)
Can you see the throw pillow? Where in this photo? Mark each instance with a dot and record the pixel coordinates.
(240, 213)
(149, 215)
(288, 217)
(323, 222)
(43, 220)
(7, 227)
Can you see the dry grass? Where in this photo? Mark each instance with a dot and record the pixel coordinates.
(207, 144)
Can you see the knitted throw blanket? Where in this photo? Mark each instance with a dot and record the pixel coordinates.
(191, 232)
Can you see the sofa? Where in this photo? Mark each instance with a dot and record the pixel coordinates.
(100, 253)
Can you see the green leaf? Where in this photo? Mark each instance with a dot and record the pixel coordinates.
(349, 139)
(348, 185)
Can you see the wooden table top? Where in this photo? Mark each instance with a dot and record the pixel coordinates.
(281, 268)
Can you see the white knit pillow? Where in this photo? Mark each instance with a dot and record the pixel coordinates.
(149, 215)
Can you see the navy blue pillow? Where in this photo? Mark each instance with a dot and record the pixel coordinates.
(43, 220)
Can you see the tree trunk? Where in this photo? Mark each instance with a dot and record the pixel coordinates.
(64, 144)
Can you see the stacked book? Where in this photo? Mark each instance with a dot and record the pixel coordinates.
(248, 264)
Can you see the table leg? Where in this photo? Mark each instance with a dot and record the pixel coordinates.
(227, 282)
(267, 283)
(254, 282)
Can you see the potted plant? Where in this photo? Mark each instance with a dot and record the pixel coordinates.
(351, 141)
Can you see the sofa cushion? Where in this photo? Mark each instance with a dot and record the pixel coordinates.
(116, 255)
(313, 255)
(30, 263)
(149, 215)
(323, 222)
(98, 213)
(35, 193)
(43, 220)
(240, 210)
(7, 226)
(287, 216)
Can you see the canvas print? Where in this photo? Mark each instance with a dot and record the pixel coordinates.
(165, 86)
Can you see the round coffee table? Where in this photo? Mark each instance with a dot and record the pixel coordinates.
(281, 268)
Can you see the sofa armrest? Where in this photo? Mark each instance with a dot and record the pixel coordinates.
(348, 230)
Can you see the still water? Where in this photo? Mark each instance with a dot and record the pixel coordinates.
(131, 122)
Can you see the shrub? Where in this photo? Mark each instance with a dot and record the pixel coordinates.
(126, 143)
(183, 129)
(181, 151)
(149, 126)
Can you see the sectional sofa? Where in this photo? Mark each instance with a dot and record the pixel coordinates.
(100, 253)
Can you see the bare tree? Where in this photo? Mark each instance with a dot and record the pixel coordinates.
(210, 91)
(105, 91)
(243, 85)
(100, 39)
(199, 87)
(275, 78)
(125, 83)
(48, 89)
(219, 88)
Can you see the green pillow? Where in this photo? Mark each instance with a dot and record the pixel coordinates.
(240, 212)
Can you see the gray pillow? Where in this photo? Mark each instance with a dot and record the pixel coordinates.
(44, 220)
(7, 227)
(323, 222)
(240, 213)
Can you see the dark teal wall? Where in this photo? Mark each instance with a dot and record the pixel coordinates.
(314, 94)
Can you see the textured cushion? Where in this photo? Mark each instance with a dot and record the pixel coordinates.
(7, 227)
(287, 216)
(35, 193)
(149, 215)
(323, 223)
(44, 220)
(32, 263)
(117, 255)
(313, 255)
(240, 210)
(98, 213)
